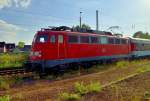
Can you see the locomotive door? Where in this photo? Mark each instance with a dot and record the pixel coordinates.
(61, 47)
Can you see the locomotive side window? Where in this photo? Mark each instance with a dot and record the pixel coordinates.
(84, 39)
(124, 41)
(99, 40)
(111, 40)
(72, 39)
(60, 38)
(53, 39)
(42, 38)
(104, 40)
(94, 39)
(117, 41)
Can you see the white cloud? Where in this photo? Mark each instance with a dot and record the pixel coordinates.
(22, 3)
(16, 3)
(8, 32)
(5, 3)
(9, 27)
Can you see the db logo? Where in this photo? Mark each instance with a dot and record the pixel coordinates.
(103, 50)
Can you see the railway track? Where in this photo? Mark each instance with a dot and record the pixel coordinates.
(11, 72)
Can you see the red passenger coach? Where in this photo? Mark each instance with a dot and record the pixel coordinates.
(58, 46)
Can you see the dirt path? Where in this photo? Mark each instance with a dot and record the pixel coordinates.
(44, 89)
(132, 89)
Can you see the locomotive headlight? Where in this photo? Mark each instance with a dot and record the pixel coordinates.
(36, 53)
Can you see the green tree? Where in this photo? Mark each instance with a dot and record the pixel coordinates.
(138, 34)
(21, 44)
(83, 26)
(141, 34)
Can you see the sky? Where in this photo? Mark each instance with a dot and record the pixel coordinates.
(21, 19)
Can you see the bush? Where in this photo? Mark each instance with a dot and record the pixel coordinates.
(94, 87)
(143, 69)
(12, 60)
(17, 79)
(4, 84)
(80, 88)
(122, 64)
(147, 95)
(69, 97)
(18, 96)
(5, 98)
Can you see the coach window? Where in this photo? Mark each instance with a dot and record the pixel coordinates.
(72, 39)
(60, 39)
(52, 39)
(84, 39)
(94, 39)
(117, 41)
(111, 40)
(104, 40)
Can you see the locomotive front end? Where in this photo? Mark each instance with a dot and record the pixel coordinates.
(37, 57)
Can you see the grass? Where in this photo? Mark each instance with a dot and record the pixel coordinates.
(133, 98)
(80, 89)
(18, 96)
(10, 60)
(17, 79)
(5, 98)
(122, 64)
(4, 84)
(94, 87)
(69, 97)
(147, 95)
(7, 82)
(143, 69)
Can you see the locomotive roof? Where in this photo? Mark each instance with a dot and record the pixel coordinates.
(80, 33)
(83, 31)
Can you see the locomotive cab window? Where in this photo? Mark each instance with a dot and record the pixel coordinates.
(42, 38)
(72, 39)
(104, 40)
(60, 38)
(53, 39)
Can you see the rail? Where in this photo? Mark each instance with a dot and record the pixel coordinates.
(11, 72)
